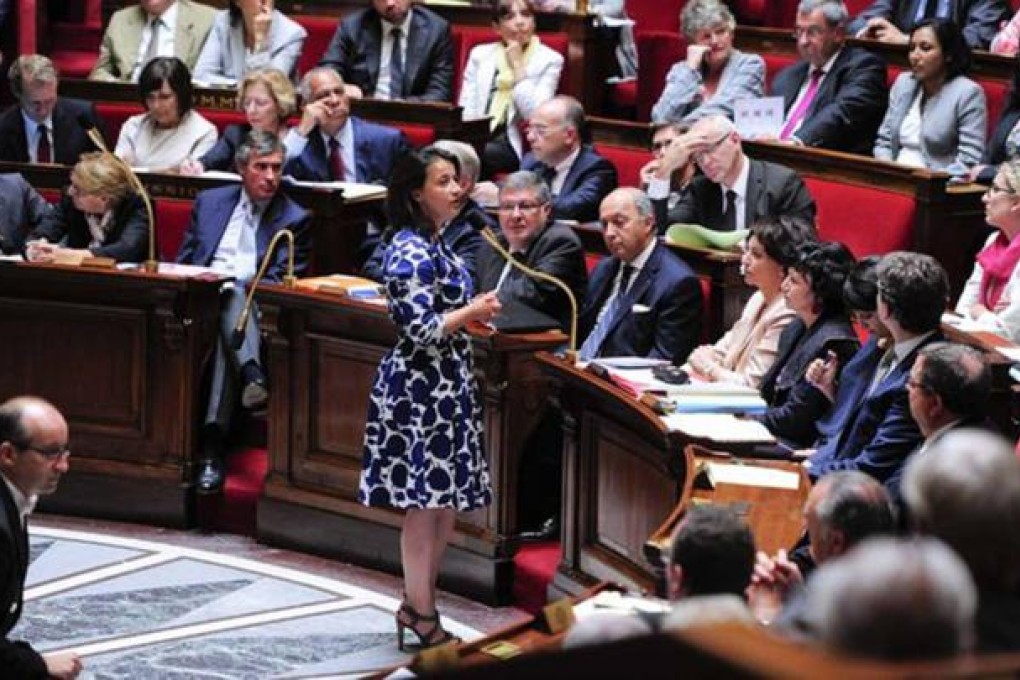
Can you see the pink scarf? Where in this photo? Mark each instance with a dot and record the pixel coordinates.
(998, 260)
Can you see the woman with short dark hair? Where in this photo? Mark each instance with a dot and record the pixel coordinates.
(170, 132)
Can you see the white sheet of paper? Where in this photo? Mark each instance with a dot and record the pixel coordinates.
(719, 427)
(750, 475)
(758, 117)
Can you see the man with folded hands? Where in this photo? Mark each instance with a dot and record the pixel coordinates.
(644, 300)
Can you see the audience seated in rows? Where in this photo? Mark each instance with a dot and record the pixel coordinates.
(23, 212)
(507, 80)
(813, 289)
(643, 300)
(836, 95)
(230, 231)
(100, 215)
(394, 50)
(460, 235)
(869, 427)
(1005, 139)
(733, 190)
(171, 131)
(747, 351)
(267, 99)
(965, 490)
(43, 127)
(936, 116)
(249, 35)
(991, 297)
(714, 75)
(180, 28)
(890, 20)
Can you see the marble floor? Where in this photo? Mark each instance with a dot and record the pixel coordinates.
(141, 602)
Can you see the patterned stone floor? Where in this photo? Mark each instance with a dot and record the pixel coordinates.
(138, 602)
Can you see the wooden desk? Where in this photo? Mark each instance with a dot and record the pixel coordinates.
(121, 355)
(338, 224)
(323, 352)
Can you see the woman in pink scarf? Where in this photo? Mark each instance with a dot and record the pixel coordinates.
(991, 298)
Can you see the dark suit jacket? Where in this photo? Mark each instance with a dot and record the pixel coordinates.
(670, 290)
(17, 659)
(794, 404)
(557, 251)
(849, 104)
(355, 49)
(995, 152)
(71, 117)
(221, 155)
(772, 190)
(590, 179)
(22, 211)
(209, 218)
(871, 433)
(979, 19)
(460, 236)
(126, 241)
(376, 147)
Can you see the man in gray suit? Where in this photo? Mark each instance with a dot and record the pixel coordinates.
(733, 190)
(22, 210)
(890, 20)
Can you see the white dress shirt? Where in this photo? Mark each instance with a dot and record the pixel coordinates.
(382, 83)
(740, 189)
(237, 253)
(167, 39)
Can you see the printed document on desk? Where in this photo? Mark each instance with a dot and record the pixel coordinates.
(724, 428)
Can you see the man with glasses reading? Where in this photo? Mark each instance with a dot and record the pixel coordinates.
(733, 190)
(33, 457)
(836, 95)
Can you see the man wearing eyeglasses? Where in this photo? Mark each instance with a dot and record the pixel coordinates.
(733, 190)
(33, 457)
(836, 95)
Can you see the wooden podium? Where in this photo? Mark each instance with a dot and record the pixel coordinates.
(323, 354)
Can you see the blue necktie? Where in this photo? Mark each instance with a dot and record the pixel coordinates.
(396, 67)
(592, 345)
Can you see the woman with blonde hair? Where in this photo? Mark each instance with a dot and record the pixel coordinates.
(100, 215)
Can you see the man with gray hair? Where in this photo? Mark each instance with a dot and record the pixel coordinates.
(643, 300)
(895, 600)
(230, 231)
(836, 95)
(733, 190)
(44, 127)
(965, 490)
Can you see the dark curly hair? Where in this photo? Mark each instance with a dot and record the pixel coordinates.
(781, 237)
(826, 266)
(408, 175)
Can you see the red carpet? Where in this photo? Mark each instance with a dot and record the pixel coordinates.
(233, 511)
(535, 564)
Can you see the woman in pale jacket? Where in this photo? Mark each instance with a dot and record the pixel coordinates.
(507, 80)
(936, 116)
(714, 75)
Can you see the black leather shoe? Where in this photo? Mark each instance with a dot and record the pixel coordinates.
(549, 531)
(210, 476)
(254, 390)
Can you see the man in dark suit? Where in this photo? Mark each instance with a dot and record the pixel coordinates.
(530, 235)
(42, 127)
(578, 177)
(644, 300)
(870, 427)
(890, 20)
(22, 211)
(230, 231)
(33, 458)
(836, 95)
(733, 190)
(392, 50)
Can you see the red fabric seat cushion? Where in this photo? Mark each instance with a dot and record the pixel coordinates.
(74, 63)
(320, 32)
(113, 115)
(867, 220)
(628, 162)
(173, 216)
(657, 52)
(221, 118)
(774, 63)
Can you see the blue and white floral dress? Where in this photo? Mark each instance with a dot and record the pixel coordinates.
(423, 435)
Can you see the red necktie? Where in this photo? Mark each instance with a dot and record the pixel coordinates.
(42, 150)
(336, 162)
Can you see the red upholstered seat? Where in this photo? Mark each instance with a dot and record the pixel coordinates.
(774, 63)
(657, 52)
(74, 64)
(172, 219)
(868, 220)
(995, 99)
(591, 260)
(628, 162)
(417, 135)
(655, 15)
(51, 195)
(320, 32)
(113, 115)
(221, 118)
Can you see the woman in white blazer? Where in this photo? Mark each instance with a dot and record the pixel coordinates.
(936, 116)
(249, 35)
(507, 80)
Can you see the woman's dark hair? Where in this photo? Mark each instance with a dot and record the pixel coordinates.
(501, 8)
(826, 266)
(781, 237)
(860, 290)
(173, 72)
(955, 51)
(408, 175)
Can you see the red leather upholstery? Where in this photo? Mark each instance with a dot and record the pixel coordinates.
(172, 219)
(628, 162)
(320, 32)
(51, 195)
(113, 115)
(657, 15)
(868, 220)
(774, 63)
(657, 52)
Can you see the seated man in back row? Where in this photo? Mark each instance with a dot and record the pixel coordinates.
(733, 190)
(230, 231)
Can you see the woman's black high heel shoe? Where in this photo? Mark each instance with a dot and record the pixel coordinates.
(432, 636)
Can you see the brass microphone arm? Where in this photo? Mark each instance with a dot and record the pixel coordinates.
(288, 280)
(542, 276)
(152, 264)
